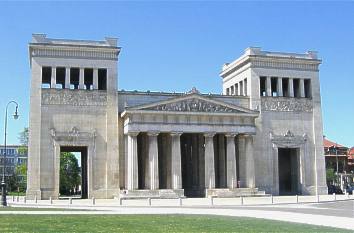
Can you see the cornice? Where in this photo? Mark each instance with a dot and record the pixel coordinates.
(71, 51)
(273, 62)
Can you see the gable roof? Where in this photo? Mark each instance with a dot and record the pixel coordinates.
(193, 102)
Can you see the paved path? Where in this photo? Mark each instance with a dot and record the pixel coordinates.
(338, 214)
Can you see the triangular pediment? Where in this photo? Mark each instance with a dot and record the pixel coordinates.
(194, 102)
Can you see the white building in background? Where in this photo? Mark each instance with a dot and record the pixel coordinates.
(262, 135)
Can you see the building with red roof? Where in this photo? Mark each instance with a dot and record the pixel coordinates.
(336, 156)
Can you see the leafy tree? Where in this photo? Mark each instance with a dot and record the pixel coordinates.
(69, 174)
(18, 180)
(330, 175)
(23, 138)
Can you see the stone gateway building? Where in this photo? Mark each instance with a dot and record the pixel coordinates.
(262, 135)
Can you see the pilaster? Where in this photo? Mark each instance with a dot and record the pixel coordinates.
(132, 163)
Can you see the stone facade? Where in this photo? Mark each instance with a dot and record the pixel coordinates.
(153, 144)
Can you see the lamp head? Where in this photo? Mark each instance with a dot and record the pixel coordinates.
(16, 114)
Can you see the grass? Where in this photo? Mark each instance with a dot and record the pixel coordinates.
(149, 223)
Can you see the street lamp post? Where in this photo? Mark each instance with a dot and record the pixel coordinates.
(3, 183)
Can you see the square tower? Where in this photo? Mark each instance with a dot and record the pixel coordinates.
(285, 88)
(73, 107)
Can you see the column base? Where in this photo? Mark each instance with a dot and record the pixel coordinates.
(236, 192)
(311, 190)
(145, 193)
(32, 194)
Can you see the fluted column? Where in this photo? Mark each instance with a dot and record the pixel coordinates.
(67, 77)
(53, 79)
(176, 171)
(132, 163)
(291, 87)
(153, 161)
(81, 79)
(231, 161)
(302, 88)
(95, 78)
(268, 86)
(209, 161)
(280, 87)
(250, 169)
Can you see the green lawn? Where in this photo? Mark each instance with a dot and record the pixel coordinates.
(148, 223)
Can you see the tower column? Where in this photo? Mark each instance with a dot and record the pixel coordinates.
(209, 161)
(53, 79)
(176, 171)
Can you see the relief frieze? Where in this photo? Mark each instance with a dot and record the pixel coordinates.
(73, 97)
(282, 104)
(193, 105)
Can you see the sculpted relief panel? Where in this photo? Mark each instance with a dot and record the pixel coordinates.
(73, 97)
(193, 105)
(282, 104)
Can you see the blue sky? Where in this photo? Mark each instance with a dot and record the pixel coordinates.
(173, 46)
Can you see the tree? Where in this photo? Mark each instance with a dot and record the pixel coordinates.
(18, 180)
(23, 138)
(69, 174)
(330, 175)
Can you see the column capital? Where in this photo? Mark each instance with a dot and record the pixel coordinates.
(231, 135)
(176, 134)
(153, 133)
(132, 133)
(209, 134)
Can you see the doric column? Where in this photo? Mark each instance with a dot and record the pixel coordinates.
(176, 161)
(250, 169)
(81, 79)
(132, 163)
(95, 78)
(153, 161)
(209, 161)
(67, 77)
(280, 87)
(302, 88)
(53, 79)
(291, 87)
(269, 86)
(231, 161)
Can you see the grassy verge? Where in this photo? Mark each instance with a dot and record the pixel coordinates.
(149, 223)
